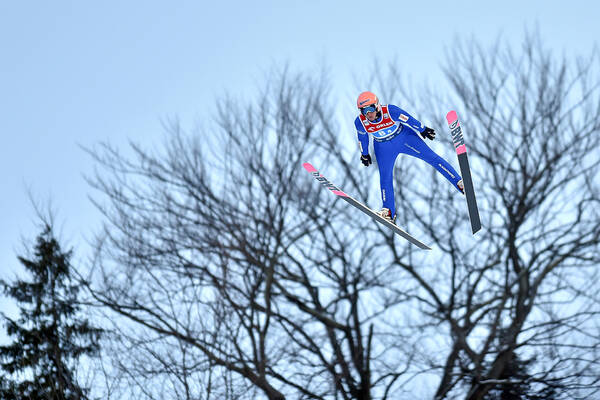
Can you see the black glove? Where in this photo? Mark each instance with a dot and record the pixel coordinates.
(366, 160)
(428, 133)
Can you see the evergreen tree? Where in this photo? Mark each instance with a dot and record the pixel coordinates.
(48, 335)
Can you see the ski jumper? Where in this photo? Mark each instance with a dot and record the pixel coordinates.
(395, 132)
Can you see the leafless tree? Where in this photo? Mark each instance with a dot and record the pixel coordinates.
(230, 273)
(222, 254)
(515, 308)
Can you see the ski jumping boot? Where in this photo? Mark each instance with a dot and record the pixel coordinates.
(387, 214)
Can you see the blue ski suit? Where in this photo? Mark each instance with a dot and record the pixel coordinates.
(395, 132)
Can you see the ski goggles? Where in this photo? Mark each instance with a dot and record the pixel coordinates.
(367, 109)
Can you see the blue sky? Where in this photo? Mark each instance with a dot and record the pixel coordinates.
(81, 72)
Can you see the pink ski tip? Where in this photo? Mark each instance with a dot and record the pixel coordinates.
(309, 167)
(451, 117)
(461, 149)
(339, 193)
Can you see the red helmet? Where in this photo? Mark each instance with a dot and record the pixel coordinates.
(366, 99)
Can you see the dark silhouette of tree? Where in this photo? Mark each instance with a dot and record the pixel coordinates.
(516, 383)
(49, 337)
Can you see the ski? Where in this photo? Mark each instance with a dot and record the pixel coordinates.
(465, 170)
(335, 190)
